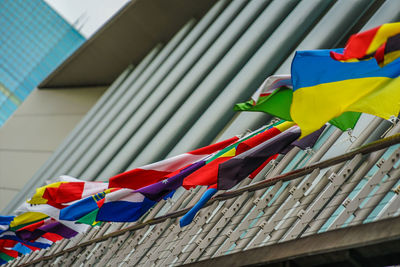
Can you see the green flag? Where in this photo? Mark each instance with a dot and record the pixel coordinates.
(275, 97)
(90, 218)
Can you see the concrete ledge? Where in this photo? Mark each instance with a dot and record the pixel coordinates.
(371, 244)
(125, 39)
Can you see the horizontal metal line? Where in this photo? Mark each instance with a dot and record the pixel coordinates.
(366, 149)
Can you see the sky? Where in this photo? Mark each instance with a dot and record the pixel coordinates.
(87, 15)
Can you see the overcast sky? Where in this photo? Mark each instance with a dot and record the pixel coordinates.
(92, 14)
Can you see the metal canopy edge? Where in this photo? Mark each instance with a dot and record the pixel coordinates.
(124, 40)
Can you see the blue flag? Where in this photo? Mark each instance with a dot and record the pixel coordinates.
(188, 217)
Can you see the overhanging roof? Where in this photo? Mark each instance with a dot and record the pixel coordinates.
(125, 39)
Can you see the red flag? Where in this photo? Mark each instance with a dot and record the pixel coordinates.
(155, 172)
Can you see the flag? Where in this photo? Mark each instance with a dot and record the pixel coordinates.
(52, 212)
(90, 218)
(381, 43)
(52, 237)
(158, 190)
(275, 98)
(83, 207)
(5, 223)
(7, 255)
(7, 243)
(208, 175)
(127, 205)
(33, 232)
(124, 205)
(304, 143)
(11, 253)
(236, 169)
(26, 218)
(76, 190)
(41, 242)
(188, 217)
(325, 88)
(38, 244)
(68, 189)
(155, 172)
(21, 249)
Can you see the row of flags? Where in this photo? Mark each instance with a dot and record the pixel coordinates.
(333, 86)
(70, 206)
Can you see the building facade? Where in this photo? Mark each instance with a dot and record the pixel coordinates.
(179, 96)
(34, 41)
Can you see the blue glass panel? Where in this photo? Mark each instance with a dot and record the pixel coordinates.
(34, 40)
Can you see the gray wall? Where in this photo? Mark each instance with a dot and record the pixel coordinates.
(32, 134)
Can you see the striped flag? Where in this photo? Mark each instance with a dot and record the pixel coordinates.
(34, 231)
(304, 143)
(5, 223)
(48, 210)
(124, 205)
(208, 175)
(127, 205)
(84, 206)
(381, 43)
(236, 169)
(40, 243)
(158, 171)
(66, 190)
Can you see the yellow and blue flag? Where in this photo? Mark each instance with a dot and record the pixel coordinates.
(324, 88)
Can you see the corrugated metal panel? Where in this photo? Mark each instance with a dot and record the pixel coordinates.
(181, 97)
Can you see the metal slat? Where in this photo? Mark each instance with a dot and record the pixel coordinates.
(352, 183)
(107, 108)
(213, 238)
(247, 206)
(262, 64)
(335, 180)
(378, 195)
(222, 73)
(128, 247)
(177, 76)
(261, 204)
(147, 244)
(145, 101)
(114, 121)
(391, 209)
(326, 34)
(353, 205)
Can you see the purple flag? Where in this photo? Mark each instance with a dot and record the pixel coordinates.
(53, 227)
(305, 142)
(231, 172)
(159, 190)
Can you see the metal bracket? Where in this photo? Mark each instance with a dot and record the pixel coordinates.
(255, 201)
(332, 177)
(380, 163)
(228, 233)
(300, 213)
(346, 202)
(198, 241)
(262, 224)
(224, 211)
(292, 190)
(396, 189)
